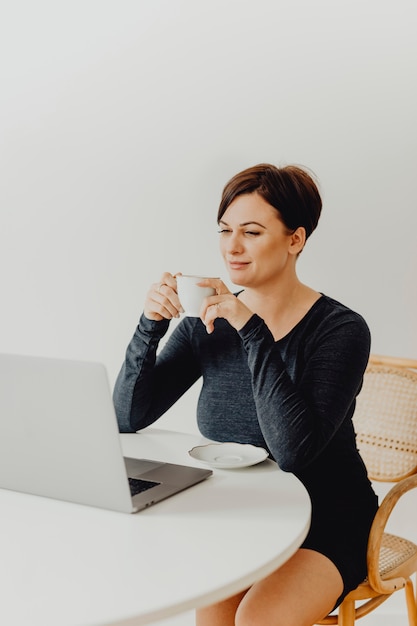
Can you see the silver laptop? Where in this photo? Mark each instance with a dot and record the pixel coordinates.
(59, 438)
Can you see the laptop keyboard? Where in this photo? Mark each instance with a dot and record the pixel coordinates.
(137, 485)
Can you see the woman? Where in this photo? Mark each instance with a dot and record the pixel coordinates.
(281, 366)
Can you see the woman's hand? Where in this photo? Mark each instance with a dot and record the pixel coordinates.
(224, 304)
(162, 299)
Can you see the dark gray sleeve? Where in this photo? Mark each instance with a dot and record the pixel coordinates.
(299, 417)
(148, 383)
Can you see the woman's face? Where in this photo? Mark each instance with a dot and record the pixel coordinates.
(255, 244)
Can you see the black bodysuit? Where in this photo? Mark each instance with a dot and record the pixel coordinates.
(295, 397)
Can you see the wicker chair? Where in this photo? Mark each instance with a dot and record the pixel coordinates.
(386, 426)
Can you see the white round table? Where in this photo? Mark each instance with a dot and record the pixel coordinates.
(64, 564)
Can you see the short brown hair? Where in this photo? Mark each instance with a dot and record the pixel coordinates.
(291, 190)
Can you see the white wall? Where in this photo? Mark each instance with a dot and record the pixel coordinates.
(121, 121)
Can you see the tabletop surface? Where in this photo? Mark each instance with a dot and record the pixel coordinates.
(65, 564)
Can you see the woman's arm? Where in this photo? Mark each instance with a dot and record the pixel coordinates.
(299, 414)
(149, 384)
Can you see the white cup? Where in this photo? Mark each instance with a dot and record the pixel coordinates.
(191, 295)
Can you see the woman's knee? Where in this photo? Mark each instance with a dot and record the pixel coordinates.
(300, 593)
(251, 614)
(278, 615)
(246, 615)
(220, 613)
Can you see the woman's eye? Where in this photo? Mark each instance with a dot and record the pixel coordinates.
(250, 233)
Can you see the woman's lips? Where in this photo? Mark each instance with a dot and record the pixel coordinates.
(237, 265)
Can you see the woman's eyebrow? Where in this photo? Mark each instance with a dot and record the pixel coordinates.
(243, 224)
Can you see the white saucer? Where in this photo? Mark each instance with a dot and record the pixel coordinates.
(229, 455)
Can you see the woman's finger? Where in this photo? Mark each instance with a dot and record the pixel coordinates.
(162, 299)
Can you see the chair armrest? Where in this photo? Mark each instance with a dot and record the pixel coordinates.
(376, 534)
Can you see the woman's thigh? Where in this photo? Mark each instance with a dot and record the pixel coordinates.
(300, 593)
(220, 614)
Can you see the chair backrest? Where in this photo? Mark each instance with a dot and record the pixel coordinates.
(385, 419)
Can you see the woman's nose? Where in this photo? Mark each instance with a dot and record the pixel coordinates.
(234, 243)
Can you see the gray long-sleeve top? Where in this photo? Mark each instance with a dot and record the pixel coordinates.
(296, 396)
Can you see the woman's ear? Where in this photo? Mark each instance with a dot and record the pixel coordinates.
(297, 240)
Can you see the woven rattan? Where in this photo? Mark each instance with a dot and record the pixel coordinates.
(394, 552)
(386, 422)
(386, 425)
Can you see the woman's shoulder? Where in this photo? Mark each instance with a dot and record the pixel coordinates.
(328, 314)
(328, 306)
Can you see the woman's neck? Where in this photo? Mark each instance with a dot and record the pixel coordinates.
(281, 308)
